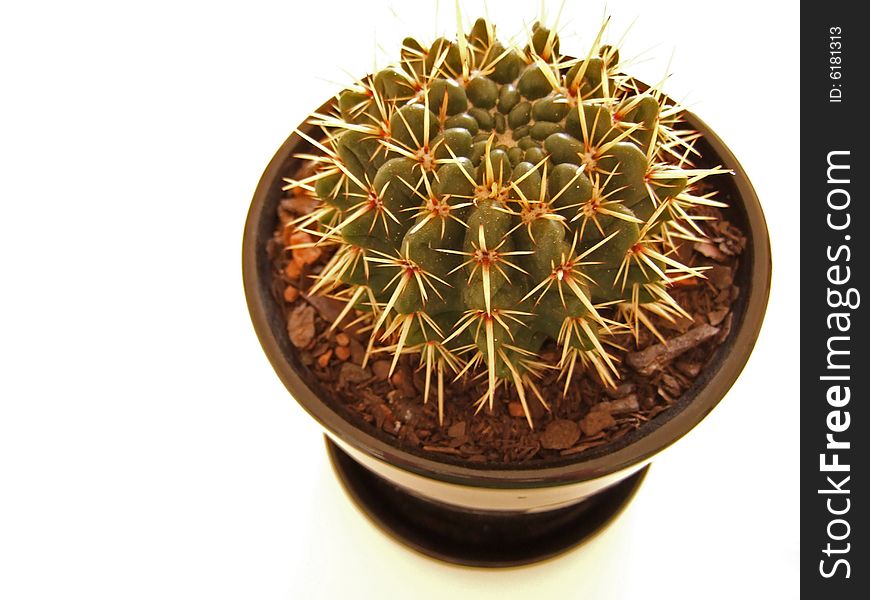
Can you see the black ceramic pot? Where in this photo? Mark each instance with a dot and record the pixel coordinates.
(497, 516)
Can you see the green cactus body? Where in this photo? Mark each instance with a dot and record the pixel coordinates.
(485, 200)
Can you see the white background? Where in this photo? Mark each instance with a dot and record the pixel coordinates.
(147, 450)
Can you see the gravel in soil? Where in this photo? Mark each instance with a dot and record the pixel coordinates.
(653, 375)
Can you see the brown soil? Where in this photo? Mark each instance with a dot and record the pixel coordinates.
(653, 375)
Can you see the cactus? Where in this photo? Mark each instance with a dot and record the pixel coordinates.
(485, 199)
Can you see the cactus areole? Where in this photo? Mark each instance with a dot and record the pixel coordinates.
(485, 199)
(476, 203)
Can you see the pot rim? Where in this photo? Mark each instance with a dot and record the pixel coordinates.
(268, 326)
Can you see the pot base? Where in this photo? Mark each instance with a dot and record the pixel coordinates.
(478, 538)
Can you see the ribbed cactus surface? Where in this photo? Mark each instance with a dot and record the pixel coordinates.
(484, 199)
